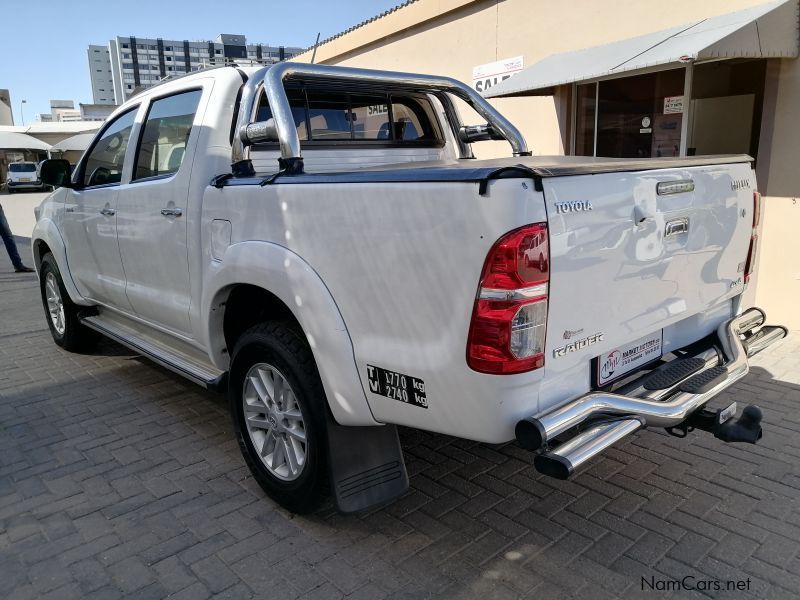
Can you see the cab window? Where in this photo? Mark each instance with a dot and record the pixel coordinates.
(104, 164)
(297, 102)
(166, 130)
(338, 117)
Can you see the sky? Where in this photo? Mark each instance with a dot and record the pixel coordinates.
(43, 55)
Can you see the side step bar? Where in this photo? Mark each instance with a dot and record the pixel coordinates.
(606, 418)
(210, 379)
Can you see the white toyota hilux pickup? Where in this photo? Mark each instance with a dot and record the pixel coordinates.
(320, 242)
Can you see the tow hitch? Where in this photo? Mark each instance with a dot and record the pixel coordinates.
(721, 423)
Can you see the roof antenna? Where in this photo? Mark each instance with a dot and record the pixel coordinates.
(314, 54)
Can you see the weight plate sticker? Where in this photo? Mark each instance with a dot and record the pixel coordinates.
(397, 386)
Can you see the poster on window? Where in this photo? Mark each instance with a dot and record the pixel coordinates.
(673, 105)
(666, 135)
(490, 74)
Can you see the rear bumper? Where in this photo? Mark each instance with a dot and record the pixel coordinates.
(25, 185)
(600, 419)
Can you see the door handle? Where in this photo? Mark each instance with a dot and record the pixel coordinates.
(676, 227)
(171, 212)
(109, 212)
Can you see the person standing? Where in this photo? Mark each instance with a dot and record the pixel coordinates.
(11, 246)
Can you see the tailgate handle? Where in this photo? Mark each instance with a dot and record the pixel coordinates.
(676, 227)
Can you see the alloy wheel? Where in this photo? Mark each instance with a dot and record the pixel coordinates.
(55, 304)
(274, 421)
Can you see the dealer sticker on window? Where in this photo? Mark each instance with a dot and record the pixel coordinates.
(616, 363)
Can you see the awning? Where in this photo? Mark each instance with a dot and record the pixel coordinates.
(11, 140)
(76, 142)
(765, 31)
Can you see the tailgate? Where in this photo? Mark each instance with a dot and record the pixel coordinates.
(628, 262)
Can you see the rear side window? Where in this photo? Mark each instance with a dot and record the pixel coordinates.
(411, 119)
(166, 130)
(333, 117)
(104, 163)
(22, 167)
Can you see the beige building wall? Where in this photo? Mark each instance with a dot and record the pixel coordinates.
(450, 37)
(778, 287)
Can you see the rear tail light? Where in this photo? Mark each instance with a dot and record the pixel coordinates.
(750, 264)
(509, 320)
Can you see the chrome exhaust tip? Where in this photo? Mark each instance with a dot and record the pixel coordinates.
(750, 319)
(763, 338)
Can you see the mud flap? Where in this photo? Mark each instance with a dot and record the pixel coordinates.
(366, 466)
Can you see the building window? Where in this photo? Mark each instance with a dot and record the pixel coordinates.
(125, 45)
(168, 48)
(217, 51)
(631, 119)
(169, 58)
(726, 107)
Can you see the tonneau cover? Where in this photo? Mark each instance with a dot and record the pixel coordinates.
(498, 168)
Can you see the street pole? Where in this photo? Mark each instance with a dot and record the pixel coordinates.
(21, 113)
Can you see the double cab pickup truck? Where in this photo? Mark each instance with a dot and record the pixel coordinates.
(321, 243)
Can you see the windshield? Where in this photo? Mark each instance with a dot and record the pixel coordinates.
(22, 167)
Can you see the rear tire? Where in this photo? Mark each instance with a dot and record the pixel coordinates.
(279, 413)
(61, 313)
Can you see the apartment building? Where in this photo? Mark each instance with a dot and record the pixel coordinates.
(6, 114)
(100, 74)
(135, 63)
(61, 111)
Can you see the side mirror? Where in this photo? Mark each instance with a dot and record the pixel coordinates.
(56, 172)
(257, 133)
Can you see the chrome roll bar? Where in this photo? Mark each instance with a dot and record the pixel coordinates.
(272, 78)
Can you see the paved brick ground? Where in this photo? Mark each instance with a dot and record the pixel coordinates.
(119, 479)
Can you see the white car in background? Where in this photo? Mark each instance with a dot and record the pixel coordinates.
(23, 175)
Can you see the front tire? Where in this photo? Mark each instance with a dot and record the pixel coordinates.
(61, 313)
(279, 410)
